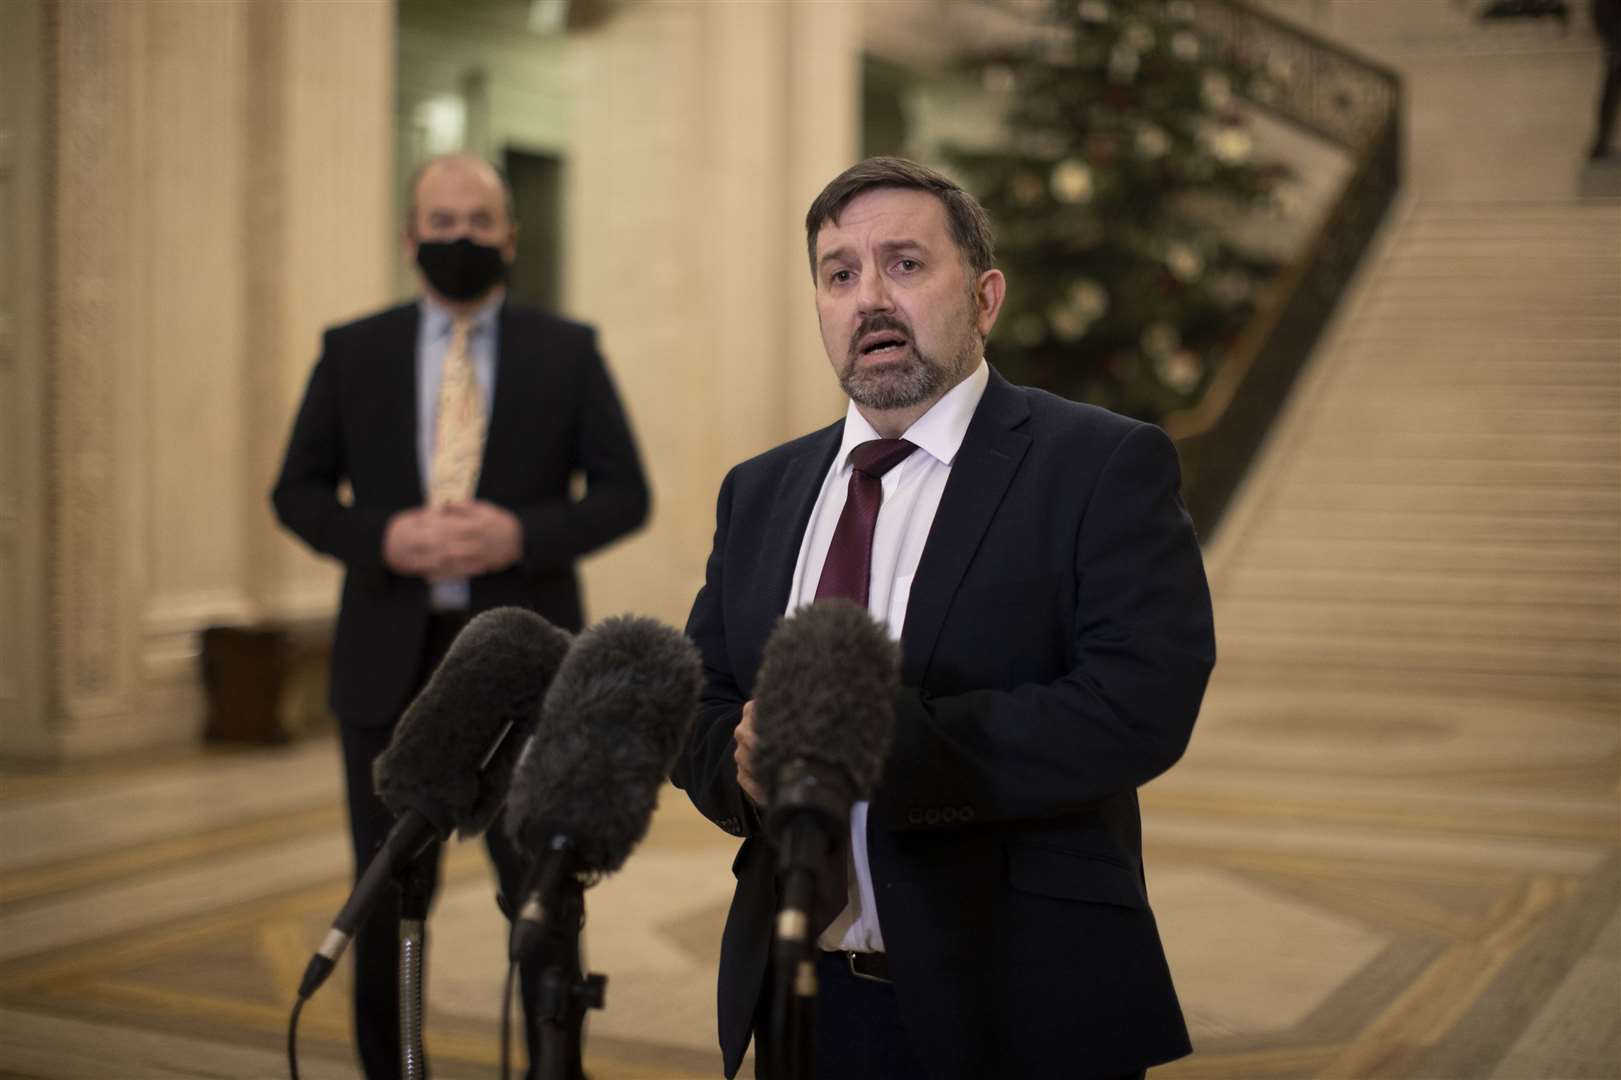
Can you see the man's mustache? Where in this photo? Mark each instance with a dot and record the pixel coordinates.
(871, 325)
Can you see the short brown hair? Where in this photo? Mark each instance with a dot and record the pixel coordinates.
(970, 225)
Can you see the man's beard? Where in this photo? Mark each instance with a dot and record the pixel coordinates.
(912, 379)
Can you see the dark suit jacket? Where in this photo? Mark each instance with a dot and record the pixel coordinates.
(1056, 647)
(555, 414)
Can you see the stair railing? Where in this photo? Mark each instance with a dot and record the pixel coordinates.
(1356, 103)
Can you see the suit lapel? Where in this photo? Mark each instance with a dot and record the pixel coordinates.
(399, 387)
(783, 530)
(984, 467)
(795, 499)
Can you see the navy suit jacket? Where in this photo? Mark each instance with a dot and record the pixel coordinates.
(1056, 647)
(555, 415)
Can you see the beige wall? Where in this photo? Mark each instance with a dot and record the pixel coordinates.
(211, 173)
(707, 131)
(24, 628)
(190, 191)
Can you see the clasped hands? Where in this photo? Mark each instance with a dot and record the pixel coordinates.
(452, 540)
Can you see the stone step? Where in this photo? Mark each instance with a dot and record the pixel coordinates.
(1408, 262)
(1597, 353)
(1471, 476)
(1285, 670)
(1556, 298)
(1588, 633)
(1370, 415)
(1327, 443)
(1492, 384)
(1444, 231)
(1502, 505)
(1400, 370)
(1419, 324)
(1451, 368)
(1481, 665)
(1585, 245)
(1446, 288)
(1443, 528)
(1464, 588)
(1424, 211)
(1595, 565)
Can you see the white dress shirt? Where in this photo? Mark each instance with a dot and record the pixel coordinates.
(912, 493)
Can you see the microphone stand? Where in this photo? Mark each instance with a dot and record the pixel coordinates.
(416, 885)
(548, 928)
(808, 818)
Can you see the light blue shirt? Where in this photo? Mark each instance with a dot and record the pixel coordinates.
(433, 342)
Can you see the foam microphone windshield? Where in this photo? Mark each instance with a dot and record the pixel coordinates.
(612, 723)
(451, 759)
(825, 700)
(452, 755)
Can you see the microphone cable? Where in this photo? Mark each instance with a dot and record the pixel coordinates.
(292, 1037)
(506, 1021)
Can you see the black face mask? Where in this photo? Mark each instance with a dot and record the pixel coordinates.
(460, 269)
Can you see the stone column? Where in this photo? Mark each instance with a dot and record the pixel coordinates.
(703, 132)
(26, 64)
(217, 183)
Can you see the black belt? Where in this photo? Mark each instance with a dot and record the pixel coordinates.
(867, 965)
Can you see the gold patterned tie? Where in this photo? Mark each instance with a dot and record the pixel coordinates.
(458, 437)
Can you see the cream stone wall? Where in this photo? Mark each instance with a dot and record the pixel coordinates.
(197, 186)
(704, 131)
(24, 138)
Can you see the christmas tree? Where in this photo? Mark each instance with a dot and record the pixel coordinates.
(1126, 151)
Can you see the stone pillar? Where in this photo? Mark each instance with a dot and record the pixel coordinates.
(218, 180)
(703, 132)
(26, 64)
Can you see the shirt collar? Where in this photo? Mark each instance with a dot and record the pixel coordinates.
(437, 319)
(939, 432)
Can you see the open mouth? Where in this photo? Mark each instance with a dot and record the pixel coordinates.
(885, 343)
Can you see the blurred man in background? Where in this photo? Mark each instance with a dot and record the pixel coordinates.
(458, 423)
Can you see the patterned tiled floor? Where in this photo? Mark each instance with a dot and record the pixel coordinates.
(1394, 849)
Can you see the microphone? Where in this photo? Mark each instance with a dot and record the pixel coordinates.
(588, 780)
(451, 759)
(825, 714)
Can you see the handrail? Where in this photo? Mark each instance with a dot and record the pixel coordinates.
(1356, 103)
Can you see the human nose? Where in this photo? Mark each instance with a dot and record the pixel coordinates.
(873, 293)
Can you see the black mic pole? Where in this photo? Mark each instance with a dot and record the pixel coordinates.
(809, 819)
(548, 928)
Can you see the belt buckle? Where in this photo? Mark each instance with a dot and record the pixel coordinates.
(850, 959)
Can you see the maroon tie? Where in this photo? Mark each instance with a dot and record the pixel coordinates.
(848, 568)
(847, 573)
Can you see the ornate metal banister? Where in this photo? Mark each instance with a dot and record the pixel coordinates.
(1357, 104)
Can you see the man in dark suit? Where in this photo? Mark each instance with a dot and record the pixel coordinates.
(459, 423)
(1034, 559)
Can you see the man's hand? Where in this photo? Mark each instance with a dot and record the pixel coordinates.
(413, 542)
(454, 540)
(482, 538)
(747, 740)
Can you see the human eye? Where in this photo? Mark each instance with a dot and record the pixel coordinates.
(840, 277)
(907, 265)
